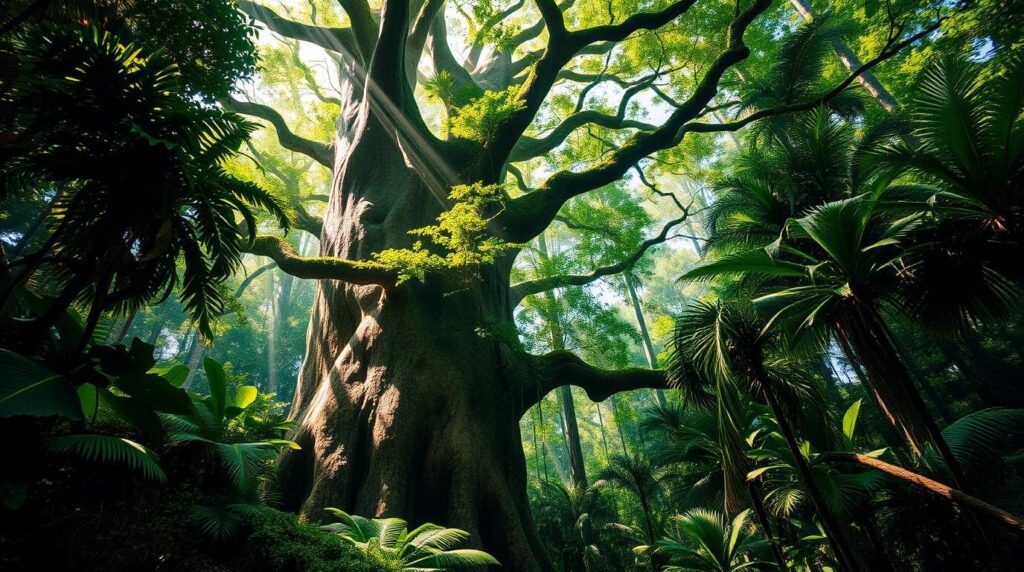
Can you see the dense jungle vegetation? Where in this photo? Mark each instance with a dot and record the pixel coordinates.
(530, 285)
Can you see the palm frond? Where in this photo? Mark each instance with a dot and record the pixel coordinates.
(110, 450)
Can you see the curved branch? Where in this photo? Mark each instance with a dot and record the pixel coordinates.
(303, 220)
(955, 495)
(530, 214)
(338, 40)
(554, 18)
(530, 147)
(562, 367)
(321, 267)
(885, 54)
(323, 154)
(252, 276)
(364, 26)
(536, 286)
(636, 22)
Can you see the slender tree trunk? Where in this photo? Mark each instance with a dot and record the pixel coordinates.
(566, 403)
(195, 358)
(652, 357)
(604, 434)
(273, 329)
(125, 327)
(757, 501)
(851, 62)
(618, 425)
(871, 342)
(577, 468)
(846, 553)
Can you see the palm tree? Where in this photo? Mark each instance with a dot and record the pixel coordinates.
(843, 260)
(726, 344)
(639, 477)
(569, 519)
(427, 547)
(966, 173)
(141, 170)
(707, 542)
(796, 76)
(769, 185)
(691, 435)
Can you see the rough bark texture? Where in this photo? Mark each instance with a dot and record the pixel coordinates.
(402, 408)
(409, 399)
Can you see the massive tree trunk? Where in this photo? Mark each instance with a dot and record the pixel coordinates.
(410, 395)
(403, 407)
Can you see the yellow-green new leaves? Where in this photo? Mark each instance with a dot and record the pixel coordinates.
(460, 236)
(480, 120)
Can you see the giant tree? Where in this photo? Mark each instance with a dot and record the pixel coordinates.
(413, 383)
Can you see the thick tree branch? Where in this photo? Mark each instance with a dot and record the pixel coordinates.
(364, 26)
(530, 214)
(560, 368)
(338, 40)
(529, 147)
(536, 286)
(963, 499)
(302, 219)
(553, 18)
(319, 152)
(888, 52)
(386, 74)
(321, 267)
(418, 34)
(636, 22)
(443, 60)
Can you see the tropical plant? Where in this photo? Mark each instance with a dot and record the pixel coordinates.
(795, 77)
(142, 173)
(841, 261)
(639, 477)
(704, 540)
(427, 547)
(768, 185)
(963, 166)
(843, 492)
(727, 345)
(572, 521)
(212, 425)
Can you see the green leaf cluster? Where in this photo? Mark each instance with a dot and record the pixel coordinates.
(479, 120)
(461, 234)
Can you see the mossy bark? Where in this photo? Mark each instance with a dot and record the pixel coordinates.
(405, 407)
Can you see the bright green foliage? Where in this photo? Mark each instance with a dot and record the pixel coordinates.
(109, 450)
(479, 120)
(427, 547)
(279, 542)
(213, 425)
(144, 177)
(707, 541)
(796, 76)
(461, 234)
